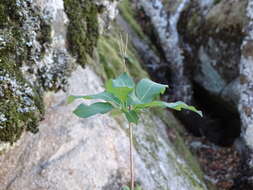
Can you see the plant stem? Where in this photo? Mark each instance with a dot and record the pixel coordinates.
(131, 155)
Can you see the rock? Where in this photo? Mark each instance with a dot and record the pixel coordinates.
(216, 38)
(215, 34)
(246, 82)
(165, 27)
(212, 35)
(73, 153)
(35, 56)
(220, 55)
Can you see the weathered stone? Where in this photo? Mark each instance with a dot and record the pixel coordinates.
(33, 45)
(212, 36)
(215, 36)
(221, 57)
(73, 153)
(246, 85)
(165, 27)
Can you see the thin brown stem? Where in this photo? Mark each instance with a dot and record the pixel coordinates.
(131, 156)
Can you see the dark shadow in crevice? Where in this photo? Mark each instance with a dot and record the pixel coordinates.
(220, 123)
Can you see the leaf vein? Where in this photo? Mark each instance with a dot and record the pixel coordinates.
(146, 92)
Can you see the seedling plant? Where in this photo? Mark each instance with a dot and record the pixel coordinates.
(123, 95)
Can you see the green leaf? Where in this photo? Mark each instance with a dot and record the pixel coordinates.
(150, 105)
(138, 187)
(128, 188)
(121, 86)
(147, 90)
(181, 105)
(115, 112)
(85, 111)
(125, 188)
(124, 80)
(133, 99)
(119, 92)
(132, 116)
(103, 96)
(173, 105)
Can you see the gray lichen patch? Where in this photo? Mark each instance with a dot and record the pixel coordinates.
(20, 105)
(54, 73)
(26, 29)
(32, 49)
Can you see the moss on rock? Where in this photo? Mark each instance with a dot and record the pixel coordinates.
(9, 12)
(20, 105)
(10, 33)
(128, 13)
(111, 61)
(221, 18)
(82, 29)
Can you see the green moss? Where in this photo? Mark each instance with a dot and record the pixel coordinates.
(216, 1)
(3, 18)
(109, 57)
(83, 31)
(128, 14)
(9, 12)
(193, 23)
(44, 35)
(110, 60)
(9, 30)
(20, 105)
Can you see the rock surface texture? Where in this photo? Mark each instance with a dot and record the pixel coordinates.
(73, 153)
(68, 152)
(246, 79)
(208, 47)
(218, 45)
(166, 30)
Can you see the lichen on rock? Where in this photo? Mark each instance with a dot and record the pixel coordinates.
(20, 105)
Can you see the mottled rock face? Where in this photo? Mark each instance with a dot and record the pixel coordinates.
(246, 80)
(215, 34)
(219, 51)
(20, 103)
(73, 153)
(165, 27)
(212, 36)
(34, 56)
